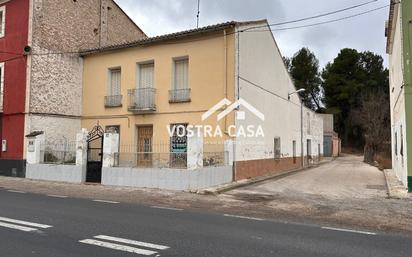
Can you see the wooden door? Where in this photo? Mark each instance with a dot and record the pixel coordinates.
(144, 146)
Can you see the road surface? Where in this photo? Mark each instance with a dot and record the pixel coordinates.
(56, 225)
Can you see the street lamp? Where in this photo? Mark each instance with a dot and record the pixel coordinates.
(297, 91)
(301, 123)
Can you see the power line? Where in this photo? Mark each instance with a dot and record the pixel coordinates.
(266, 90)
(315, 16)
(325, 22)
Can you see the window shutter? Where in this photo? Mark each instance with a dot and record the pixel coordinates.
(181, 74)
(146, 77)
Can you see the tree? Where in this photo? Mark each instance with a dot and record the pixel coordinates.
(374, 118)
(304, 69)
(350, 77)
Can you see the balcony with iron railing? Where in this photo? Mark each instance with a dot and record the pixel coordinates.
(113, 101)
(142, 100)
(179, 95)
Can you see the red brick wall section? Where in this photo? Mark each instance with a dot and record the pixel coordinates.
(11, 48)
(257, 168)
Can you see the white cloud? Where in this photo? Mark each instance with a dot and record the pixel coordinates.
(157, 17)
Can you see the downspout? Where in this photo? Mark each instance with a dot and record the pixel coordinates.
(302, 157)
(225, 89)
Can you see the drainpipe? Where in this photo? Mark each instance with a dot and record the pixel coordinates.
(301, 135)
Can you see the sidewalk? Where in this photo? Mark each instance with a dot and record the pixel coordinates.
(247, 182)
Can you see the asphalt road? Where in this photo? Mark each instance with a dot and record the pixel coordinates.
(53, 226)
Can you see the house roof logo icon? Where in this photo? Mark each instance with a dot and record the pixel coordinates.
(231, 107)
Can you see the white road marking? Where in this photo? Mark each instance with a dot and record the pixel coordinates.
(16, 191)
(105, 201)
(166, 208)
(117, 247)
(243, 217)
(350, 231)
(21, 222)
(21, 228)
(132, 242)
(58, 196)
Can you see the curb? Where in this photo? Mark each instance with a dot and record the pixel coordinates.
(247, 182)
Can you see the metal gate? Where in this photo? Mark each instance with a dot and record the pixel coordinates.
(95, 155)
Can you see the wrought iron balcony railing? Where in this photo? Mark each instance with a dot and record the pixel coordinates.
(179, 95)
(113, 101)
(142, 100)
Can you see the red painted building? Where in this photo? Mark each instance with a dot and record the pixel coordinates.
(14, 27)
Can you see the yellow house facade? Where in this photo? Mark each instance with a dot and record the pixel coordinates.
(141, 90)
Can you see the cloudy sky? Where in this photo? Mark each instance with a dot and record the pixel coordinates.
(365, 32)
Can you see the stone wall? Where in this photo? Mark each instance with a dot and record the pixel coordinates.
(56, 129)
(60, 29)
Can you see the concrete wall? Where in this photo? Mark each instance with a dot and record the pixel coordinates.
(58, 173)
(327, 123)
(171, 179)
(261, 63)
(57, 129)
(313, 131)
(265, 84)
(397, 100)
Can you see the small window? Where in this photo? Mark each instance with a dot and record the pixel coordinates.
(181, 73)
(115, 82)
(115, 129)
(294, 151)
(2, 21)
(146, 75)
(277, 148)
(396, 144)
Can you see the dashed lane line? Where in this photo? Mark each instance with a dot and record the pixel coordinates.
(350, 231)
(132, 242)
(243, 217)
(58, 196)
(118, 247)
(21, 222)
(105, 201)
(166, 208)
(16, 191)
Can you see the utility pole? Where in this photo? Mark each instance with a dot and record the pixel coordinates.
(198, 13)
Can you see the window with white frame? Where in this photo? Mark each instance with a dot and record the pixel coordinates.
(1, 85)
(2, 21)
(115, 81)
(181, 76)
(146, 75)
(180, 91)
(114, 97)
